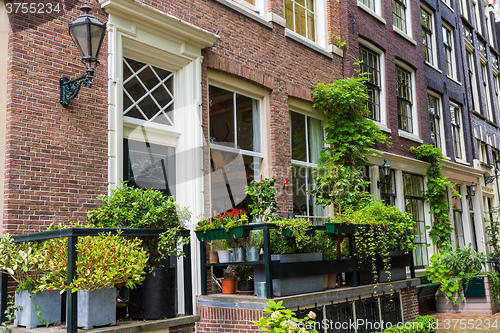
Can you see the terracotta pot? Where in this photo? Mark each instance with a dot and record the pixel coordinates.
(228, 286)
(213, 257)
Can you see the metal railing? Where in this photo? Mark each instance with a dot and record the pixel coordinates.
(275, 269)
(72, 235)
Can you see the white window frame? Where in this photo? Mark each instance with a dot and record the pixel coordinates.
(477, 18)
(487, 10)
(414, 134)
(259, 7)
(442, 139)
(320, 26)
(481, 152)
(429, 11)
(451, 45)
(496, 85)
(486, 86)
(307, 111)
(463, 9)
(376, 11)
(473, 78)
(462, 158)
(407, 16)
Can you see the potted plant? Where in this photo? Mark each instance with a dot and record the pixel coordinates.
(263, 196)
(228, 282)
(24, 263)
(328, 245)
(254, 244)
(299, 247)
(130, 207)
(103, 262)
(244, 274)
(231, 224)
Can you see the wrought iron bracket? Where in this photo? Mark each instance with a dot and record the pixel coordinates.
(69, 89)
(489, 179)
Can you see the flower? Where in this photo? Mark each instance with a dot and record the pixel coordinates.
(311, 315)
(275, 316)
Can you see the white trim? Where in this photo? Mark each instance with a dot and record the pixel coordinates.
(434, 48)
(447, 5)
(453, 55)
(383, 89)
(415, 135)
(404, 35)
(410, 136)
(375, 14)
(441, 120)
(433, 67)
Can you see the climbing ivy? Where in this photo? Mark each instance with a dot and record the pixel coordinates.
(436, 195)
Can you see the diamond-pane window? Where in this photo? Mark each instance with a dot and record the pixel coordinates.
(148, 92)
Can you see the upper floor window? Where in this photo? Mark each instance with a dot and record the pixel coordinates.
(486, 87)
(399, 20)
(306, 144)
(257, 6)
(427, 35)
(487, 10)
(456, 203)
(148, 93)
(371, 65)
(457, 132)
(475, 11)
(472, 80)
(481, 151)
(497, 91)
(301, 17)
(405, 99)
(449, 51)
(434, 110)
(463, 9)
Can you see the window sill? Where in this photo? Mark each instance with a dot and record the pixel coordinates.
(486, 165)
(248, 13)
(492, 123)
(410, 136)
(454, 80)
(478, 114)
(404, 35)
(306, 42)
(448, 6)
(371, 12)
(382, 127)
(433, 67)
(460, 161)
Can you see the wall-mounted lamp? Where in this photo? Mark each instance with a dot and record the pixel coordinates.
(386, 170)
(87, 33)
(491, 179)
(472, 189)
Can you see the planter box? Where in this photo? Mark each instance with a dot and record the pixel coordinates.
(221, 233)
(292, 286)
(49, 305)
(397, 273)
(475, 288)
(288, 233)
(96, 308)
(342, 228)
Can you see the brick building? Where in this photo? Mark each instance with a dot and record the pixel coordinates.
(189, 89)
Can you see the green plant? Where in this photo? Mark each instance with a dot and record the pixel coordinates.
(103, 261)
(227, 220)
(263, 196)
(130, 207)
(453, 269)
(256, 238)
(9, 314)
(421, 324)
(436, 195)
(494, 282)
(22, 262)
(281, 319)
(492, 227)
(327, 244)
(299, 228)
(244, 272)
(338, 41)
(288, 245)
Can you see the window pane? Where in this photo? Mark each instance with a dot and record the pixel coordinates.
(315, 131)
(299, 174)
(299, 142)
(221, 115)
(245, 121)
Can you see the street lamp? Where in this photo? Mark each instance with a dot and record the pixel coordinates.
(386, 170)
(491, 179)
(472, 192)
(87, 33)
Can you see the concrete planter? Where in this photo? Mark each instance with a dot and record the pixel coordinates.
(49, 305)
(96, 307)
(292, 286)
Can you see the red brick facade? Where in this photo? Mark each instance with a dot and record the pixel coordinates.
(219, 319)
(409, 304)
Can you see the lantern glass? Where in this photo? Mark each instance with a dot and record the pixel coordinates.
(386, 169)
(497, 163)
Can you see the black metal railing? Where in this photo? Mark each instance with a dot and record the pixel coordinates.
(72, 235)
(275, 269)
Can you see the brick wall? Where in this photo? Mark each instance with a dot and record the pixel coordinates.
(56, 158)
(219, 319)
(183, 329)
(409, 302)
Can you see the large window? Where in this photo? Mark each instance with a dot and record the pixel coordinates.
(413, 186)
(405, 99)
(148, 93)
(235, 147)
(399, 9)
(456, 203)
(449, 51)
(434, 110)
(472, 217)
(463, 9)
(306, 144)
(257, 6)
(427, 35)
(472, 80)
(475, 11)
(301, 17)
(456, 131)
(370, 4)
(388, 190)
(497, 92)
(486, 87)
(371, 65)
